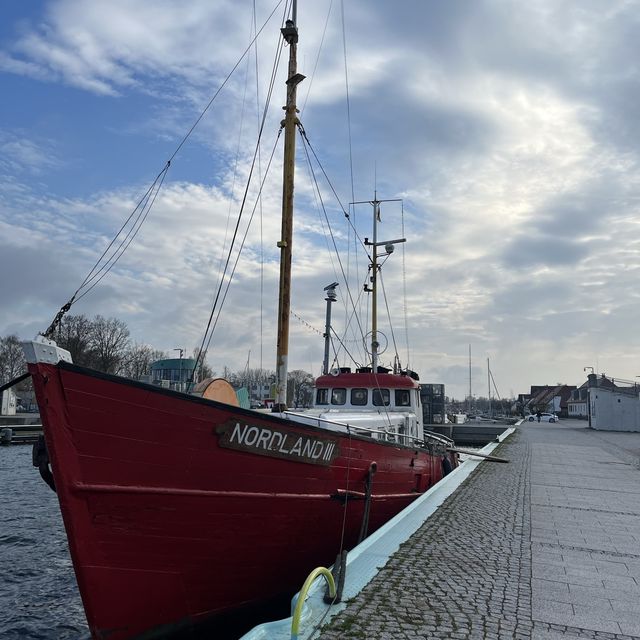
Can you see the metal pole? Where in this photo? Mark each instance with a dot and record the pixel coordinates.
(470, 396)
(374, 275)
(489, 387)
(374, 288)
(331, 297)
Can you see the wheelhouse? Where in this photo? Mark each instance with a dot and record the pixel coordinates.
(365, 390)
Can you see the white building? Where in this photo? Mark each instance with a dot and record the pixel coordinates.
(578, 403)
(614, 405)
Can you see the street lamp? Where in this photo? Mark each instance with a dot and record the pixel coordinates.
(180, 368)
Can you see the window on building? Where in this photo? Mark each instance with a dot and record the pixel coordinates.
(338, 396)
(359, 397)
(381, 397)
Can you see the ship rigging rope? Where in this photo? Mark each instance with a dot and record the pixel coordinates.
(308, 147)
(257, 74)
(494, 385)
(386, 304)
(315, 65)
(253, 29)
(350, 146)
(342, 344)
(149, 200)
(306, 141)
(333, 266)
(404, 291)
(209, 331)
(144, 205)
(350, 223)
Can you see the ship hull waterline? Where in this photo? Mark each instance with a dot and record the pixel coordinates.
(179, 509)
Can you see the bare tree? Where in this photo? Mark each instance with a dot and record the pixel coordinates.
(137, 360)
(204, 370)
(12, 362)
(75, 334)
(109, 343)
(253, 379)
(299, 388)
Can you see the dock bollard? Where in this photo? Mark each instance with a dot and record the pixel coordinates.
(5, 436)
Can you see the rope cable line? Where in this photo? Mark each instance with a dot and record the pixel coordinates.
(307, 147)
(404, 290)
(100, 269)
(209, 330)
(386, 304)
(257, 74)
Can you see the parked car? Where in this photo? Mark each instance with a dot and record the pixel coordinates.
(544, 417)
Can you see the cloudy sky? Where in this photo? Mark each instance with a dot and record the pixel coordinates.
(508, 129)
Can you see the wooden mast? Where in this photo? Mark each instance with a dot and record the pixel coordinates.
(290, 34)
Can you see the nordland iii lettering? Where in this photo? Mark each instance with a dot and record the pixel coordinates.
(277, 443)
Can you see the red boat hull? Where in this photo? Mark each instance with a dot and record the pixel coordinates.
(168, 525)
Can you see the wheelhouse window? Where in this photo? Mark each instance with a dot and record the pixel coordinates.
(403, 399)
(358, 397)
(381, 397)
(322, 396)
(338, 396)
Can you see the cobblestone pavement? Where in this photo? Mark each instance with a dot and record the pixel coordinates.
(546, 547)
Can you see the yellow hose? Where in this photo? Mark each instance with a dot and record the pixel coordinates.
(319, 571)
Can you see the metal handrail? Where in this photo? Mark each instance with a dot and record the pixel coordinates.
(427, 435)
(439, 437)
(319, 571)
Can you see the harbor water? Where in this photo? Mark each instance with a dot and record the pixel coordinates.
(39, 598)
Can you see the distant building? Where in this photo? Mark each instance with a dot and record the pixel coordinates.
(614, 404)
(259, 392)
(173, 373)
(578, 403)
(551, 399)
(433, 405)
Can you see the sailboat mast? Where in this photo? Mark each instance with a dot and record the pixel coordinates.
(290, 34)
(489, 387)
(470, 396)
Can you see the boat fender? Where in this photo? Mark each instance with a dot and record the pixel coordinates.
(447, 468)
(40, 459)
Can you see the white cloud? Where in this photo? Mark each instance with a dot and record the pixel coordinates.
(19, 153)
(508, 129)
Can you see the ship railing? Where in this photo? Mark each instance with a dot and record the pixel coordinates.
(438, 438)
(429, 437)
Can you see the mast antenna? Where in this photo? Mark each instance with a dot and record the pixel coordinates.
(375, 267)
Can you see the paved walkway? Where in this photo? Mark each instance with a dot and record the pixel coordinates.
(546, 547)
